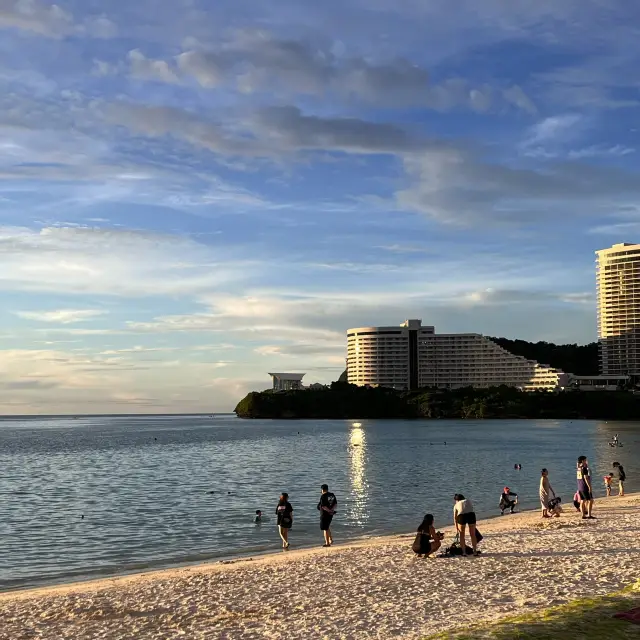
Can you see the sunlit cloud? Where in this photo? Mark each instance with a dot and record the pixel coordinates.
(192, 194)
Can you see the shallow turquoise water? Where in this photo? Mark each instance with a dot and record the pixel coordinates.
(143, 483)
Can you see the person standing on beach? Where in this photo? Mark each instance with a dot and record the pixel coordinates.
(284, 511)
(464, 515)
(546, 493)
(585, 488)
(620, 476)
(327, 508)
(607, 483)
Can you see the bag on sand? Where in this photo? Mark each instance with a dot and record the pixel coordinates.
(456, 550)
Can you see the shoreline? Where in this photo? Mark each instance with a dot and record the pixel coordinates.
(373, 588)
(234, 557)
(243, 558)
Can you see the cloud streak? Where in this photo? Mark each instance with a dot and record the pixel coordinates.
(61, 316)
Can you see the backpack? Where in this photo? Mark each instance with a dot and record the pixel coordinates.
(456, 550)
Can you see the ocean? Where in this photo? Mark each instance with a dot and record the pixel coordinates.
(161, 491)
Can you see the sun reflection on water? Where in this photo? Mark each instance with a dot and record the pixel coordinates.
(357, 450)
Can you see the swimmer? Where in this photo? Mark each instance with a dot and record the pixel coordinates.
(258, 518)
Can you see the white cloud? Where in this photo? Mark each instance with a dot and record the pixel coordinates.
(144, 68)
(553, 129)
(31, 15)
(51, 20)
(113, 262)
(61, 316)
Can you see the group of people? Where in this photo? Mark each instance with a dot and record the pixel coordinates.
(428, 540)
(327, 506)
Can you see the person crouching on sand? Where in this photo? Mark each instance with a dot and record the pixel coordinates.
(463, 516)
(506, 502)
(327, 508)
(284, 511)
(427, 539)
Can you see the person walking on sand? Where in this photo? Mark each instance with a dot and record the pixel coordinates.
(585, 489)
(464, 516)
(284, 511)
(546, 493)
(327, 508)
(620, 476)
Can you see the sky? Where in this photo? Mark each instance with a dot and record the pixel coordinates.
(196, 193)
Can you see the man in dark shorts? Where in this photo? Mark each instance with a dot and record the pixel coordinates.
(327, 508)
(585, 489)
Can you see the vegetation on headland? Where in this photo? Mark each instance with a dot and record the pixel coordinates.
(345, 401)
(591, 619)
(579, 359)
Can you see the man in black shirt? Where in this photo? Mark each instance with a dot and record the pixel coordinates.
(327, 508)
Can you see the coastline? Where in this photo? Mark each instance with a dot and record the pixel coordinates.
(234, 558)
(373, 587)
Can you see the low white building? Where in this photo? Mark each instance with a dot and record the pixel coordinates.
(599, 383)
(287, 381)
(411, 356)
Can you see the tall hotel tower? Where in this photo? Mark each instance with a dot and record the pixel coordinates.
(618, 290)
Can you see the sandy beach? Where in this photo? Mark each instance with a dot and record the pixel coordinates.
(371, 589)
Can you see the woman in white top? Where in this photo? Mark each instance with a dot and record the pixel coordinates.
(546, 493)
(464, 515)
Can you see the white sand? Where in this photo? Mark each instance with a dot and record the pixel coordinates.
(376, 589)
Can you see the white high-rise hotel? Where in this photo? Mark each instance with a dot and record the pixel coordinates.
(411, 356)
(618, 290)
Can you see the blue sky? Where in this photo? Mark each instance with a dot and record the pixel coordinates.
(195, 193)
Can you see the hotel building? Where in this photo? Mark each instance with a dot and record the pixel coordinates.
(411, 356)
(618, 292)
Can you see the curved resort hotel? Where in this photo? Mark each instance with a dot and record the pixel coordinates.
(411, 356)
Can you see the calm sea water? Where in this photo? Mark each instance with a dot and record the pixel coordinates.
(144, 484)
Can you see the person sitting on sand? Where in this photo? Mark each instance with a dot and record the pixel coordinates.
(464, 515)
(284, 511)
(546, 493)
(427, 539)
(506, 502)
(620, 475)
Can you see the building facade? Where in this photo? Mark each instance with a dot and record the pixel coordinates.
(287, 381)
(411, 356)
(618, 295)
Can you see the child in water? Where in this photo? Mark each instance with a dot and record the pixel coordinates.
(258, 519)
(607, 483)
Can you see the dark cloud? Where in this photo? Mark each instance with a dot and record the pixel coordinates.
(257, 61)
